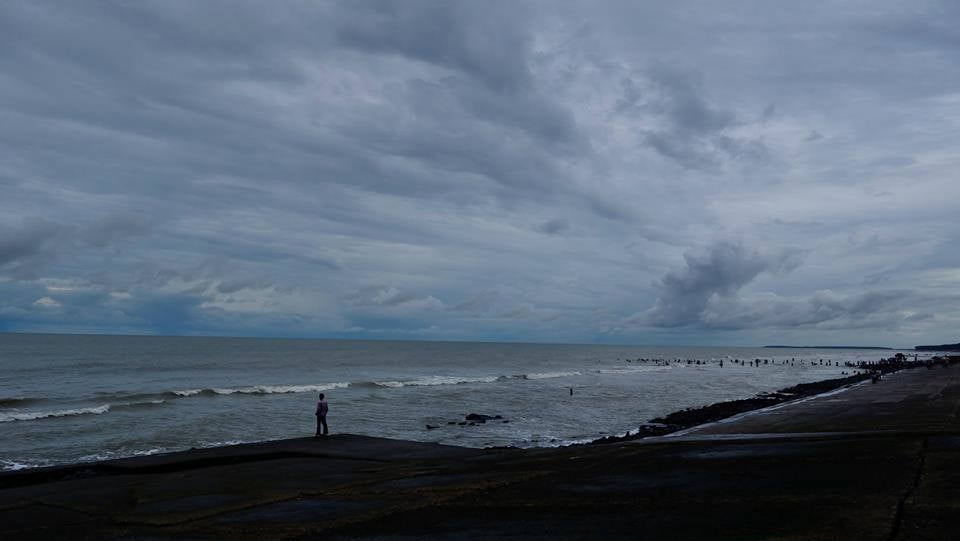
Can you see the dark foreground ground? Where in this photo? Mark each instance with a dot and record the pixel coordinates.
(877, 461)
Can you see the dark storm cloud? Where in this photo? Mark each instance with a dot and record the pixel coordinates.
(719, 272)
(693, 131)
(554, 226)
(451, 34)
(26, 248)
(20, 243)
(681, 102)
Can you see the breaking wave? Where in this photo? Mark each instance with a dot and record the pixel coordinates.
(437, 380)
(7, 417)
(458, 380)
(262, 389)
(10, 407)
(633, 369)
(549, 375)
(13, 465)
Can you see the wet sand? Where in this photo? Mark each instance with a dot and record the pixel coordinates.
(875, 461)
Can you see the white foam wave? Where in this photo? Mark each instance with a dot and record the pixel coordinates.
(549, 375)
(34, 415)
(633, 369)
(110, 455)
(265, 389)
(438, 380)
(209, 444)
(12, 465)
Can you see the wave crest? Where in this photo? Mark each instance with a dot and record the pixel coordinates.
(437, 380)
(34, 415)
(263, 389)
(550, 375)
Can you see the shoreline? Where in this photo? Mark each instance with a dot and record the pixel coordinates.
(686, 419)
(791, 473)
(670, 424)
(690, 418)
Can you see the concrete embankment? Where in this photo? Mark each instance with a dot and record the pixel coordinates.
(875, 461)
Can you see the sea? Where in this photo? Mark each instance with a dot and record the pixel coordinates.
(82, 398)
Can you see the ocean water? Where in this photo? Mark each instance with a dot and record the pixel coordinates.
(83, 398)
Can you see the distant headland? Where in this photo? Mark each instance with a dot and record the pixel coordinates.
(829, 347)
(941, 347)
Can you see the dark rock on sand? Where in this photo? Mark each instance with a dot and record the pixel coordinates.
(480, 418)
(684, 419)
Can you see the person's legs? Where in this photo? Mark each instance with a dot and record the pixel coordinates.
(323, 420)
(318, 425)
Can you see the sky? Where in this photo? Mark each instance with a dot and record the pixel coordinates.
(684, 172)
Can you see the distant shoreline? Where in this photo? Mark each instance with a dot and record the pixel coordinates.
(940, 347)
(830, 347)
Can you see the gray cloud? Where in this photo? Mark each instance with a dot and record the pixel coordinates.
(455, 35)
(17, 244)
(718, 273)
(554, 226)
(24, 250)
(888, 310)
(545, 161)
(480, 303)
(388, 296)
(692, 132)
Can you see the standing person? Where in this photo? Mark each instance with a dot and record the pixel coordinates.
(322, 416)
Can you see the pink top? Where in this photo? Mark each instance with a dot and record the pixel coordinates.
(322, 408)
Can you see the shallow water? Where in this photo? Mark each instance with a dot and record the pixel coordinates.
(79, 398)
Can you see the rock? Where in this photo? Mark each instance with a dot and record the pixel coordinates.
(431, 427)
(481, 418)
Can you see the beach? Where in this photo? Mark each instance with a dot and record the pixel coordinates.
(69, 399)
(866, 461)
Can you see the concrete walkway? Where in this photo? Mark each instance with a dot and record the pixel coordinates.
(876, 461)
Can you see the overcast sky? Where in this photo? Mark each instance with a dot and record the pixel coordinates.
(684, 172)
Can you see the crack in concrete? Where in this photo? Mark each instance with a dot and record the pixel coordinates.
(902, 502)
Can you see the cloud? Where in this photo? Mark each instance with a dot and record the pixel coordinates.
(46, 303)
(480, 303)
(554, 226)
(20, 244)
(720, 272)
(825, 310)
(391, 297)
(433, 167)
(689, 130)
(36, 243)
(453, 35)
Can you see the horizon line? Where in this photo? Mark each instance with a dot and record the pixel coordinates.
(374, 339)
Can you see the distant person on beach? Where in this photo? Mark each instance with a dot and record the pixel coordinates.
(322, 416)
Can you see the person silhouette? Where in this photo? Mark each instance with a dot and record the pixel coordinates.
(322, 409)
